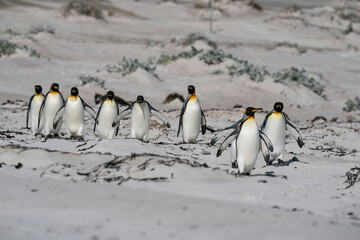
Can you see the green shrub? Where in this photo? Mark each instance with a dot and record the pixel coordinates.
(89, 79)
(83, 8)
(213, 56)
(166, 59)
(128, 66)
(302, 77)
(7, 48)
(241, 67)
(193, 37)
(352, 105)
(39, 29)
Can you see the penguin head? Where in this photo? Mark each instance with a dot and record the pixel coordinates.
(38, 89)
(110, 95)
(140, 99)
(54, 87)
(250, 111)
(278, 106)
(74, 91)
(191, 89)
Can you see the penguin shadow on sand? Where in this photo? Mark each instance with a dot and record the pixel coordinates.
(287, 163)
(267, 174)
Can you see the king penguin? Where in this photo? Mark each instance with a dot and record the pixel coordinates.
(74, 114)
(274, 126)
(32, 115)
(107, 113)
(192, 118)
(53, 101)
(247, 141)
(140, 112)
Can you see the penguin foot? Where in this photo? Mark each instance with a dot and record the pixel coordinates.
(234, 164)
(247, 174)
(81, 139)
(56, 135)
(280, 162)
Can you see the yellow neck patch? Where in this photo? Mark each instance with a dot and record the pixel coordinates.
(73, 97)
(277, 115)
(53, 92)
(193, 97)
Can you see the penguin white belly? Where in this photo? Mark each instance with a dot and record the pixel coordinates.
(53, 103)
(140, 121)
(106, 117)
(191, 121)
(34, 114)
(74, 117)
(248, 146)
(275, 130)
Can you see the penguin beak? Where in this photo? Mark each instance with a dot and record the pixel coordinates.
(257, 109)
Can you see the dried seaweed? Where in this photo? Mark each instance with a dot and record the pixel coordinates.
(353, 176)
(99, 98)
(172, 96)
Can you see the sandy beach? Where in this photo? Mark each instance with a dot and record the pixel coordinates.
(302, 53)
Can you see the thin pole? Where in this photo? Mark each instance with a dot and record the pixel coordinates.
(211, 15)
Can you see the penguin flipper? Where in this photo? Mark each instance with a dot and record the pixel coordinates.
(41, 109)
(159, 115)
(58, 116)
(265, 119)
(28, 111)
(224, 132)
(182, 113)
(97, 116)
(181, 117)
(88, 109)
(294, 132)
(203, 122)
(122, 115)
(266, 140)
(228, 141)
